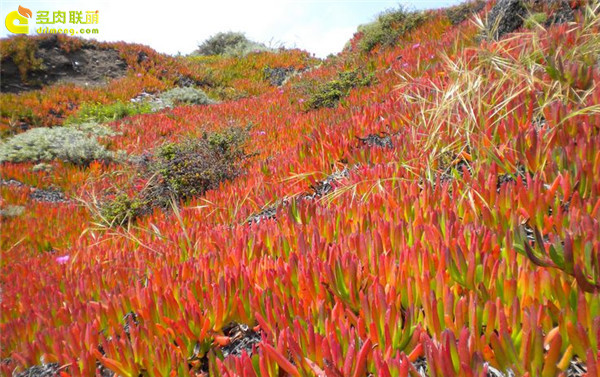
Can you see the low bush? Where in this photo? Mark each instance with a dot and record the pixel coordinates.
(388, 27)
(46, 144)
(535, 19)
(103, 113)
(329, 93)
(180, 171)
(185, 95)
(229, 44)
(21, 49)
(122, 208)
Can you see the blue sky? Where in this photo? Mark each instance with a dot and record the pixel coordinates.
(321, 27)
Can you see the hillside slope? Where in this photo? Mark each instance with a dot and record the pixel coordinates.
(425, 203)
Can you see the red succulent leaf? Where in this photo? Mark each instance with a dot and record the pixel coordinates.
(583, 282)
(361, 361)
(281, 360)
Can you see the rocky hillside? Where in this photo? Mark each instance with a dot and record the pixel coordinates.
(425, 203)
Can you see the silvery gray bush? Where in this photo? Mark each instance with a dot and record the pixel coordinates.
(46, 144)
(186, 95)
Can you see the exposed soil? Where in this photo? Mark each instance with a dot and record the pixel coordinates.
(88, 66)
(446, 174)
(506, 178)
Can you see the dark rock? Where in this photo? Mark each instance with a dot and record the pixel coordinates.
(48, 195)
(505, 17)
(421, 366)
(11, 182)
(562, 14)
(154, 100)
(277, 76)
(184, 81)
(576, 368)
(374, 140)
(129, 319)
(243, 339)
(142, 57)
(104, 371)
(493, 372)
(317, 190)
(44, 370)
(267, 213)
(459, 13)
(324, 187)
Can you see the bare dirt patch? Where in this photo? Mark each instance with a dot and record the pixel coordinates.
(88, 66)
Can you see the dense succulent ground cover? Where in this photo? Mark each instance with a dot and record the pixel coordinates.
(444, 215)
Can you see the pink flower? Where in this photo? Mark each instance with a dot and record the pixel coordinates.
(139, 75)
(62, 260)
(416, 45)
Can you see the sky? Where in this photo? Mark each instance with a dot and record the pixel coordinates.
(176, 26)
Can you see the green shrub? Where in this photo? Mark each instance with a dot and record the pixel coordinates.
(181, 171)
(193, 167)
(101, 113)
(229, 44)
(388, 27)
(185, 95)
(122, 209)
(535, 19)
(328, 94)
(46, 144)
